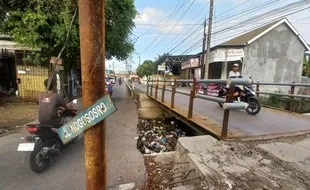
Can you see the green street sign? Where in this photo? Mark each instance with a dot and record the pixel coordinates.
(86, 119)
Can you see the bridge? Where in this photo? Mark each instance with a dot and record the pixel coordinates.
(203, 114)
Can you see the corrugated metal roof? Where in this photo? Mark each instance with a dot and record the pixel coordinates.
(244, 38)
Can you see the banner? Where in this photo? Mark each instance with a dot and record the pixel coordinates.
(213, 89)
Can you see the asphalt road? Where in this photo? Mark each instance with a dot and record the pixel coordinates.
(268, 121)
(67, 171)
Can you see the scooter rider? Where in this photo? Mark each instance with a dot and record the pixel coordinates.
(235, 74)
(52, 106)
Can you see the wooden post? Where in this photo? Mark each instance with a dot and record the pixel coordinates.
(292, 98)
(229, 98)
(156, 89)
(173, 93)
(163, 92)
(257, 89)
(191, 100)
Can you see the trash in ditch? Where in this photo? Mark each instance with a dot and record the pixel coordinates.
(157, 136)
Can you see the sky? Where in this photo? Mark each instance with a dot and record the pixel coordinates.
(176, 26)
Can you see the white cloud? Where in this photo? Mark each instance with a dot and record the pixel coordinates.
(149, 16)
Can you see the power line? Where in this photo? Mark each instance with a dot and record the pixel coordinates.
(281, 9)
(176, 11)
(302, 19)
(161, 20)
(172, 41)
(220, 20)
(160, 25)
(165, 37)
(186, 38)
(263, 14)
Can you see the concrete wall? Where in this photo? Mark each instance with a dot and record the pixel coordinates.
(277, 57)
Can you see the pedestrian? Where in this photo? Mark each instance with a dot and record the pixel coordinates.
(110, 89)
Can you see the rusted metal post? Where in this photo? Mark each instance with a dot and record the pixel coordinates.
(173, 92)
(191, 99)
(151, 89)
(163, 92)
(257, 89)
(156, 89)
(292, 98)
(147, 85)
(229, 98)
(92, 43)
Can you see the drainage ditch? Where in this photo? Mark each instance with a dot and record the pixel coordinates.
(160, 135)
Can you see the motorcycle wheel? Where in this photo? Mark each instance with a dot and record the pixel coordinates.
(254, 106)
(37, 162)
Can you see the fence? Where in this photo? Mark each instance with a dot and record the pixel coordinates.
(131, 86)
(228, 103)
(292, 94)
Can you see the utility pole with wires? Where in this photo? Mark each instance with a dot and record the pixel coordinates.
(92, 43)
(207, 58)
(202, 61)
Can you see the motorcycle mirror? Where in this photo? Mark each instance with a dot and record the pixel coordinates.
(74, 101)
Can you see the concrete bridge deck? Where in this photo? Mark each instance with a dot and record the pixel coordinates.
(268, 123)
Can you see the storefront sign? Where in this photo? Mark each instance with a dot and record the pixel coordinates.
(54, 60)
(192, 63)
(226, 54)
(161, 67)
(86, 119)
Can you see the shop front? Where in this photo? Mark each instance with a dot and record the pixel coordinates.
(222, 61)
(191, 69)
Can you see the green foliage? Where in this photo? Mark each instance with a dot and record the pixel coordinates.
(42, 25)
(306, 66)
(275, 101)
(147, 68)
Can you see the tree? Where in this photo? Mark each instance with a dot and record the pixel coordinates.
(43, 24)
(306, 66)
(147, 68)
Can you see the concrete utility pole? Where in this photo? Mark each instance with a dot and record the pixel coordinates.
(202, 61)
(92, 42)
(113, 67)
(209, 40)
(139, 59)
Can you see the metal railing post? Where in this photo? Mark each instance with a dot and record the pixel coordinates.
(147, 85)
(132, 89)
(163, 92)
(156, 89)
(151, 89)
(173, 93)
(191, 100)
(229, 98)
(292, 98)
(257, 89)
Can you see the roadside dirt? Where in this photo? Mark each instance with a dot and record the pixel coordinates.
(14, 113)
